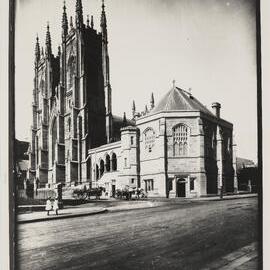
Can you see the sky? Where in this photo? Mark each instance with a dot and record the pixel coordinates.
(208, 46)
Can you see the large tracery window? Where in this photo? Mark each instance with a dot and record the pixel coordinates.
(71, 72)
(149, 135)
(181, 140)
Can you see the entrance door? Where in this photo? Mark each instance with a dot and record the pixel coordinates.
(181, 189)
(113, 191)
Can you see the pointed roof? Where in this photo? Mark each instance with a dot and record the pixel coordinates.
(79, 14)
(103, 20)
(152, 101)
(64, 21)
(37, 50)
(48, 41)
(178, 99)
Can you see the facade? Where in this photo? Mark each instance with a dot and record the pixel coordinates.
(175, 149)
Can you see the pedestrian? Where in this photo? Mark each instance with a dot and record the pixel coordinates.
(48, 207)
(55, 206)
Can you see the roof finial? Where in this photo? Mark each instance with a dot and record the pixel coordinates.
(79, 14)
(124, 119)
(92, 21)
(48, 41)
(87, 21)
(133, 108)
(173, 83)
(190, 90)
(152, 101)
(64, 21)
(146, 109)
(103, 22)
(37, 49)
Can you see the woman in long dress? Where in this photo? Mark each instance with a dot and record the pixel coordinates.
(48, 207)
(55, 206)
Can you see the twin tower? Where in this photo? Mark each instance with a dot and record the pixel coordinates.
(71, 102)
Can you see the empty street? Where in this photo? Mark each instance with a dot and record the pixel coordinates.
(179, 235)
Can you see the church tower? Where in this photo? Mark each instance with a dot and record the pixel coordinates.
(45, 82)
(84, 97)
(71, 101)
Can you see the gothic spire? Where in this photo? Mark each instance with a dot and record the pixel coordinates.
(37, 50)
(103, 21)
(48, 42)
(79, 14)
(105, 54)
(152, 101)
(64, 22)
(133, 108)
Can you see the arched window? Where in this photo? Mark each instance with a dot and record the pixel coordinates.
(149, 136)
(181, 140)
(97, 172)
(71, 72)
(114, 162)
(101, 167)
(108, 165)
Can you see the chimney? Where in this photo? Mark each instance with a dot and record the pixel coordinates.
(216, 109)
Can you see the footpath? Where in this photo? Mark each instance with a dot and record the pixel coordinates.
(113, 205)
(85, 210)
(241, 259)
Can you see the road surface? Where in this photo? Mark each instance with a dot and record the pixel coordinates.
(176, 236)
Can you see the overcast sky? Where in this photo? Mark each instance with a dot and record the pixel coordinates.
(209, 46)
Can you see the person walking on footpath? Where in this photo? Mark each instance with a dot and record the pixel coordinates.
(55, 206)
(48, 207)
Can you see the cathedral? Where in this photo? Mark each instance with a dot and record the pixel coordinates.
(176, 148)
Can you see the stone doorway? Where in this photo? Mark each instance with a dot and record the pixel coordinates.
(181, 188)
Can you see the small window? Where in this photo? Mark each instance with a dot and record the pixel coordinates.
(191, 183)
(131, 140)
(125, 160)
(149, 185)
(132, 181)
